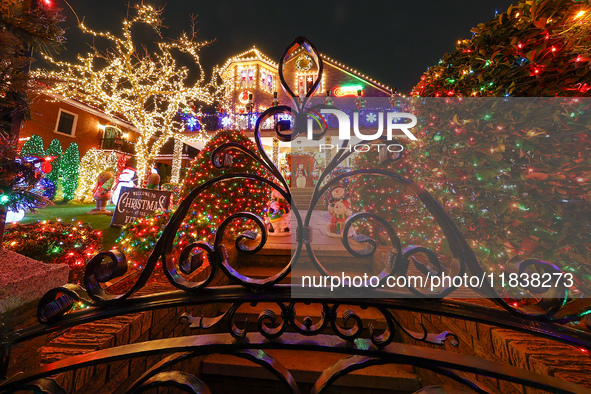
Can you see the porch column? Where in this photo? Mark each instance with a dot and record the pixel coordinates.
(177, 161)
(275, 157)
(327, 152)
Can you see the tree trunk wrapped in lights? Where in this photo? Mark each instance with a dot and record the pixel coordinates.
(148, 90)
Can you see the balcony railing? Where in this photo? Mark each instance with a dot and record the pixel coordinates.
(117, 144)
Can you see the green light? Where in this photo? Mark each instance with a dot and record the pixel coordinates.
(4, 199)
(437, 137)
(351, 88)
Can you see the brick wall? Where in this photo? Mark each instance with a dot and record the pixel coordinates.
(505, 346)
(44, 117)
(132, 328)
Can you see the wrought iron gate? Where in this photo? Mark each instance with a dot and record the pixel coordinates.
(343, 335)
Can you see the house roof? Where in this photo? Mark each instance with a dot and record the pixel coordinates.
(254, 54)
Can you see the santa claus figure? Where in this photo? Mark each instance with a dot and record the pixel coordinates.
(301, 175)
(278, 215)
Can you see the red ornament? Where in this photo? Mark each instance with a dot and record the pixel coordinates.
(46, 167)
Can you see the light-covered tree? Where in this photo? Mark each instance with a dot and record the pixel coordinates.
(148, 89)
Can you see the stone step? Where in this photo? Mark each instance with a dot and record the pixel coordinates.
(279, 254)
(224, 371)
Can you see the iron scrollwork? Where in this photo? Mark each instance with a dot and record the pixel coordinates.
(339, 327)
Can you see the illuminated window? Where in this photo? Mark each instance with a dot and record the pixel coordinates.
(66, 123)
(243, 78)
(305, 83)
(251, 78)
(263, 80)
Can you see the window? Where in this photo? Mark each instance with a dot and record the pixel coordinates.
(243, 78)
(66, 123)
(263, 80)
(251, 78)
(305, 83)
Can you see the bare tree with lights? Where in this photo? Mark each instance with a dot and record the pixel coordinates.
(147, 89)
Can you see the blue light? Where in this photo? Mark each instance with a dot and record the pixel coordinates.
(192, 123)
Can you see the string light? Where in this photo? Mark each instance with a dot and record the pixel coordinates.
(149, 97)
(210, 208)
(92, 164)
(55, 242)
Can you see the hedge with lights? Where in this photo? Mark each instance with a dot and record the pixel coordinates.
(536, 48)
(55, 242)
(33, 147)
(69, 171)
(54, 150)
(211, 207)
(513, 190)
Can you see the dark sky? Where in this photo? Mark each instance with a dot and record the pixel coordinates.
(392, 41)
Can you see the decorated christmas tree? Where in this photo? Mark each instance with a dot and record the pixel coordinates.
(69, 170)
(92, 164)
(212, 206)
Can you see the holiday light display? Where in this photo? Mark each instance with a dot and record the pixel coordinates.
(18, 178)
(151, 96)
(92, 164)
(211, 207)
(33, 147)
(513, 190)
(536, 48)
(54, 152)
(55, 242)
(69, 171)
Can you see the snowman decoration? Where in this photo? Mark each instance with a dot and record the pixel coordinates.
(278, 215)
(301, 175)
(339, 209)
(126, 179)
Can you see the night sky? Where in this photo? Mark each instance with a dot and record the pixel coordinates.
(391, 41)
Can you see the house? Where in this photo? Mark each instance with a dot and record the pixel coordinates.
(252, 86)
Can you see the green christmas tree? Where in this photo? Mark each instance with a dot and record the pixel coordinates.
(34, 146)
(69, 171)
(211, 207)
(54, 150)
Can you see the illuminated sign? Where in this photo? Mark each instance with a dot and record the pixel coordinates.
(347, 91)
(243, 96)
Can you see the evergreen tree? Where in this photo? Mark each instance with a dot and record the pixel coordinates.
(69, 171)
(211, 207)
(54, 150)
(22, 29)
(536, 48)
(513, 189)
(34, 146)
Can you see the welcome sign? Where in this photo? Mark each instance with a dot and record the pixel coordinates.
(135, 203)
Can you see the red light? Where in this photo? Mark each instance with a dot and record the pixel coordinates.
(47, 3)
